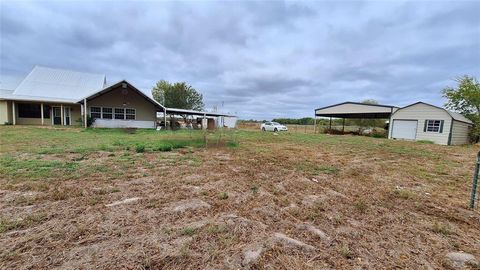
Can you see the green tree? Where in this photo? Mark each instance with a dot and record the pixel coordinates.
(366, 123)
(178, 95)
(465, 99)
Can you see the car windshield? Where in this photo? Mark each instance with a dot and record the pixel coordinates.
(275, 124)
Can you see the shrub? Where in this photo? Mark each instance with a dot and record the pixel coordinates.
(90, 121)
(163, 147)
(140, 148)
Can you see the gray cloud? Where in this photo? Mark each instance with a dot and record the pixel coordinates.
(261, 59)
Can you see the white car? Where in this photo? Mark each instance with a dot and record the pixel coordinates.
(273, 126)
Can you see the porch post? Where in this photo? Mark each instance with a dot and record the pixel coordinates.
(165, 117)
(14, 113)
(330, 123)
(41, 112)
(343, 128)
(61, 114)
(85, 112)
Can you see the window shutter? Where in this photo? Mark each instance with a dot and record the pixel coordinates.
(441, 126)
(425, 126)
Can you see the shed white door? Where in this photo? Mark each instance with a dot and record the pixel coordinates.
(404, 129)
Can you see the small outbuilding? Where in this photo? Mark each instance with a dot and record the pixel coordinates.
(422, 121)
(417, 121)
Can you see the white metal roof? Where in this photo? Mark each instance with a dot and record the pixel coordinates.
(356, 110)
(58, 84)
(193, 112)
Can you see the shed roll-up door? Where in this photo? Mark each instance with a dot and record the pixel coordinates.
(404, 129)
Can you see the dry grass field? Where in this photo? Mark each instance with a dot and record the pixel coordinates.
(107, 199)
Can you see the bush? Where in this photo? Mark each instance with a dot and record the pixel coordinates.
(90, 121)
(163, 147)
(140, 148)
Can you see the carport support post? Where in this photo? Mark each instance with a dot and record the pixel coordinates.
(14, 118)
(85, 112)
(314, 124)
(343, 126)
(330, 126)
(41, 112)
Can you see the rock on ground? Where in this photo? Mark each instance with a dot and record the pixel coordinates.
(460, 259)
(294, 243)
(129, 200)
(312, 229)
(185, 205)
(252, 254)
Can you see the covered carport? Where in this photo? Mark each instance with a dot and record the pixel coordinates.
(172, 112)
(354, 110)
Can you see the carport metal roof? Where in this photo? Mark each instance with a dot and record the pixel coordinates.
(193, 112)
(356, 110)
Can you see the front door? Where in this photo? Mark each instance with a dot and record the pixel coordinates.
(66, 115)
(57, 116)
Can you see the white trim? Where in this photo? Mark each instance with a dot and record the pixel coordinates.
(53, 114)
(433, 120)
(65, 116)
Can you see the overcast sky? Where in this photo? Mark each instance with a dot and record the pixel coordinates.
(260, 59)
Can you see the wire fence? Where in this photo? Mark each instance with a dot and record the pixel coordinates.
(309, 128)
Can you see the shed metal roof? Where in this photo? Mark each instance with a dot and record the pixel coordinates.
(455, 115)
(52, 84)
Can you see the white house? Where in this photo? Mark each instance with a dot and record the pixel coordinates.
(422, 121)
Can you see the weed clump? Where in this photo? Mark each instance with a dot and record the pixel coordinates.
(441, 228)
(223, 195)
(139, 148)
(361, 206)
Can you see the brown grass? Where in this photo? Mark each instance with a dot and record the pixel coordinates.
(383, 204)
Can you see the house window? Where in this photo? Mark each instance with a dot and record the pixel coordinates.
(433, 125)
(130, 114)
(95, 112)
(26, 110)
(46, 111)
(119, 113)
(107, 113)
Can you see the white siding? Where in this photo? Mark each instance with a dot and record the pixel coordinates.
(422, 112)
(116, 123)
(460, 132)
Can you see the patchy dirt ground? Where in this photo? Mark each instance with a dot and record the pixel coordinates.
(271, 201)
